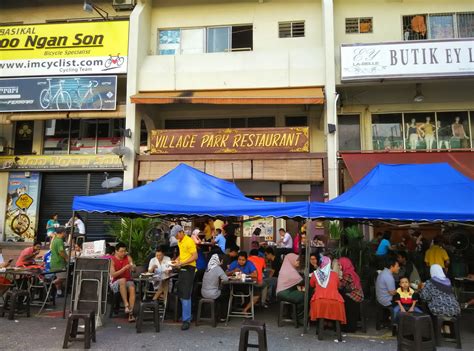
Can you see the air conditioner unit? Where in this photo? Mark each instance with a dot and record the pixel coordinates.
(123, 5)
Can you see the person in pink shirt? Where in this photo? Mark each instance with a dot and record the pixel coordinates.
(28, 255)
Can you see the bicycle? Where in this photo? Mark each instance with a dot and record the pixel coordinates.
(116, 60)
(20, 222)
(92, 100)
(61, 97)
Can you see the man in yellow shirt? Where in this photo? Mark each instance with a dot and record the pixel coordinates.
(186, 263)
(437, 255)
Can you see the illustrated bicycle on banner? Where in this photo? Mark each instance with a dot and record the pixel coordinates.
(88, 97)
(114, 61)
(60, 98)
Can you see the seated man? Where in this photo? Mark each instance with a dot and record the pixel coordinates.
(260, 265)
(385, 284)
(160, 265)
(243, 265)
(122, 282)
(407, 269)
(275, 264)
(230, 257)
(28, 255)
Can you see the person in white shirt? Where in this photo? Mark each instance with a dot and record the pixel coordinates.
(159, 265)
(286, 241)
(79, 227)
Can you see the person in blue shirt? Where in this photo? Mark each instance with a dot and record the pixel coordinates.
(384, 248)
(243, 265)
(220, 240)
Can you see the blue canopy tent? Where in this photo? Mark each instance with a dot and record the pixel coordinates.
(186, 191)
(407, 192)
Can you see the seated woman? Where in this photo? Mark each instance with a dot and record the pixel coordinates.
(326, 301)
(439, 295)
(159, 265)
(287, 284)
(313, 262)
(211, 288)
(351, 290)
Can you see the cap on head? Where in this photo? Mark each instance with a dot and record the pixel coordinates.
(176, 229)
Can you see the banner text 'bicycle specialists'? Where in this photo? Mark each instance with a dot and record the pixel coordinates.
(64, 49)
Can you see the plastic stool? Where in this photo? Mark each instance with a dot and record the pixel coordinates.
(212, 318)
(147, 307)
(13, 303)
(72, 328)
(320, 329)
(454, 327)
(415, 332)
(260, 329)
(292, 306)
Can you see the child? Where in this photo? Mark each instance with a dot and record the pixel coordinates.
(405, 299)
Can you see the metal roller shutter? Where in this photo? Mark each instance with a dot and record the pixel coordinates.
(57, 192)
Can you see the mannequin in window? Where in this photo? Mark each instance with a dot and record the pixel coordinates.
(444, 135)
(428, 129)
(458, 131)
(413, 133)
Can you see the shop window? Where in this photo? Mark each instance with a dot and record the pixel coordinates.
(251, 122)
(261, 122)
(420, 131)
(296, 121)
(24, 138)
(359, 25)
(453, 130)
(438, 26)
(199, 40)
(348, 130)
(56, 137)
(292, 29)
(109, 134)
(387, 131)
(465, 25)
(82, 136)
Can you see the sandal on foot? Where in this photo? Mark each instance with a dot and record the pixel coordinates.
(131, 318)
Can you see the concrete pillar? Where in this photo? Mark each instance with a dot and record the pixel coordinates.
(139, 35)
(330, 110)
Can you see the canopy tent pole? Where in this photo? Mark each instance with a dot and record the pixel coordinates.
(309, 236)
(130, 237)
(68, 264)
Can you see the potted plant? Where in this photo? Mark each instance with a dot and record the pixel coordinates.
(139, 232)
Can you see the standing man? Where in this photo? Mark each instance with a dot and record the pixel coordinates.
(120, 271)
(220, 240)
(186, 263)
(59, 260)
(437, 255)
(286, 242)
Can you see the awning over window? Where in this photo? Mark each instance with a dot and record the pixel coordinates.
(276, 96)
(360, 164)
(44, 116)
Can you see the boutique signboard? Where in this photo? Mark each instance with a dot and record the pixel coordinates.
(408, 59)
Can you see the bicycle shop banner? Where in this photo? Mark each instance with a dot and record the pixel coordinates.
(22, 206)
(64, 49)
(58, 94)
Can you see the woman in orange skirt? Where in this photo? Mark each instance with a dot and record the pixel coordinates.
(326, 302)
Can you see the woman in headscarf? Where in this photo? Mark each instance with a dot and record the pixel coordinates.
(195, 236)
(439, 294)
(351, 290)
(287, 284)
(211, 287)
(326, 302)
